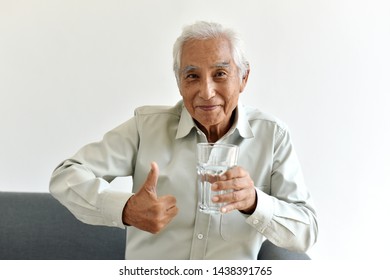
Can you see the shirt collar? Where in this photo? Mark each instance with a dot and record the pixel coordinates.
(241, 123)
(186, 123)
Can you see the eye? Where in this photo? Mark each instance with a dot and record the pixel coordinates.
(220, 74)
(191, 76)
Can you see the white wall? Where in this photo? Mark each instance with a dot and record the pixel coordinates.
(71, 70)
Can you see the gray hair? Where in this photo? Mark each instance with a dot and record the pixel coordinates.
(209, 30)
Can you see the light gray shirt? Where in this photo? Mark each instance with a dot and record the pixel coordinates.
(168, 135)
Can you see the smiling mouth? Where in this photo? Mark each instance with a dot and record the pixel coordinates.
(208, 107)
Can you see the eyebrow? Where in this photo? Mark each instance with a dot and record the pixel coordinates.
(222, 65)
(189, 68)
(219, 65)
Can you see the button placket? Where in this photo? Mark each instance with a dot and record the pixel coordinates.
(199, 242)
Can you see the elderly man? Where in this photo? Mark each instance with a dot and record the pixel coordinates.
(268, 196)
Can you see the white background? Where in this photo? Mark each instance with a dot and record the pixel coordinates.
(71, 70)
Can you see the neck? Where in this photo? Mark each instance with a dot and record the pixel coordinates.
(216, 132)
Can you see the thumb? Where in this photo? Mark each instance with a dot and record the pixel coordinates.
(151, 181)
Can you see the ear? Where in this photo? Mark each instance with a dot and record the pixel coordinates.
(244, 80)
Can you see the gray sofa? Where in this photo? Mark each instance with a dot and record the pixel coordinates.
(35, 226)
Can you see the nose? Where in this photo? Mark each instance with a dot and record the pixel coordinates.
(207, 89)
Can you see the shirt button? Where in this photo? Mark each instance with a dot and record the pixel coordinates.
(200, 236)
(255, 222)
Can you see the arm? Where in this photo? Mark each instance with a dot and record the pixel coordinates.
(82, 183)
(284, 215)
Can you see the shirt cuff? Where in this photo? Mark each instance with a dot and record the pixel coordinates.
(112, 205)
(263, 214)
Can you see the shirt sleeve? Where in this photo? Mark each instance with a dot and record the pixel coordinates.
(82, 183)
(286, 214)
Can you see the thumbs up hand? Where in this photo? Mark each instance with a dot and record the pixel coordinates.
(145, 211)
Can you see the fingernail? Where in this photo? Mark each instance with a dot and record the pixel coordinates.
(215, 198)
(223, 177)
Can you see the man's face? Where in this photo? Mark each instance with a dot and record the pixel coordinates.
(210, 83)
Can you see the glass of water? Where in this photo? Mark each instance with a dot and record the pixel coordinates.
(213, 161)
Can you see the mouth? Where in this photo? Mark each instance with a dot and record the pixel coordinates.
(207, 107)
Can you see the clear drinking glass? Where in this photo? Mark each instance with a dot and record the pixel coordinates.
(213, 160)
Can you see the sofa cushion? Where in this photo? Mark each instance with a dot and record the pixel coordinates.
(36, 226)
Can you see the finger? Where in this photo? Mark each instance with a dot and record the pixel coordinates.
(234, 172)
(229, 208)
(172, 212)
(164, 220)
(240, 200)
(230, 197)
(169, 201)
(232, 184)
(151, 181)
(239, 205)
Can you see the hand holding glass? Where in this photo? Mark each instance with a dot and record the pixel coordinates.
(213, 161)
